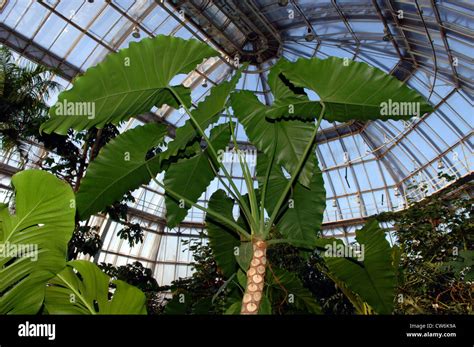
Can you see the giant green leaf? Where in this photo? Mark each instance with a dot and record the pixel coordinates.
(276, 181)
(302, 222)
(280, 86)
(354, 90)
(206, 113)
(120, 166)
(289, 136)
(374, 279)
(43, 224)
(82, 288)
(165, 96)
(289, 102)
(300, 218)
(126, 83)
(222, 238)
(190, 177)
(293, 108)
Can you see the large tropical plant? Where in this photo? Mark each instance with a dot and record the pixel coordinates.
(436, 241)
(290, 197)
(24, 89)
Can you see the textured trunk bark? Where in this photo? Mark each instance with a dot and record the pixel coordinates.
(255, 279)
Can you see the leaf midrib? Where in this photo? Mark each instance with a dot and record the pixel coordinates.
(22, 219)
(78, 294)
(155, 89)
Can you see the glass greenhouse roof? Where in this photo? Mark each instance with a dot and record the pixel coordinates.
(367, 167)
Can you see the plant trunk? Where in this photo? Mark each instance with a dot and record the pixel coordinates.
(82, 166)
(255, 279)
(95, 146)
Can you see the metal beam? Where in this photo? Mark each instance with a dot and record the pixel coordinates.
(30, 49)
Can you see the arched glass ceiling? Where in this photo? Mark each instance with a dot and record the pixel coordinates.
(368, 167)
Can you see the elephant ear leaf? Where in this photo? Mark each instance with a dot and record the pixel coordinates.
(300, 220)
(289, 101)
(127, 83)
(206, 113)
(374, 278)
(165, 96)
(355, 90)
(222, 239)
(280, 86)
(189, 177)
(120, 166)
(304, 214)
(34, 239)
(82, 288)
(289, 136)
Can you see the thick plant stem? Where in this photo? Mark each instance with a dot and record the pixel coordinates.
(255, 279)
(243, 233)
(214, 156)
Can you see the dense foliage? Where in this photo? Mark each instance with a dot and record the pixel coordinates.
(436, 238)
(24, 90)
